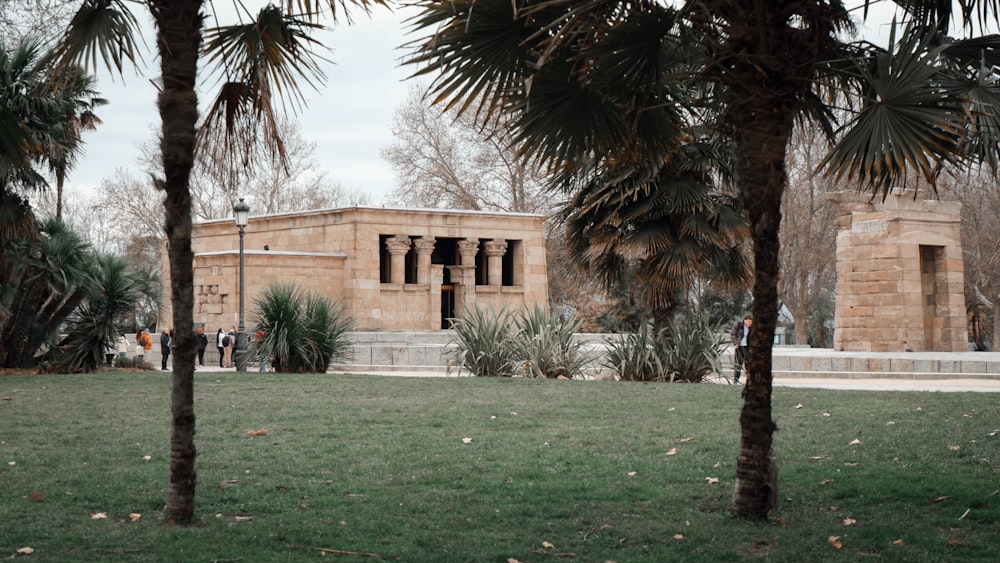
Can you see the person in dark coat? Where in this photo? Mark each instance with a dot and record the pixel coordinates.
(741, 341)
(202, 343)
(164, 348)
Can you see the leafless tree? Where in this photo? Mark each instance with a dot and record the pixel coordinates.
(808, 238)
(269, 185)
(980, 199)
(441, 160)
(34, 18)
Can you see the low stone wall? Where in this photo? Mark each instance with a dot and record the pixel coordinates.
(424, 351)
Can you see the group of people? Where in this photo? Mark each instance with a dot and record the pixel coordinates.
(225, 341)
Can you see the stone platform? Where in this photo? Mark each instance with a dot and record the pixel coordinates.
(424, 352)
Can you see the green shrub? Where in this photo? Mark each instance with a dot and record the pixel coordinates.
(544, 345)
(298, 331)
(687, 350)
(696, 345)
(530, 343)
(132, 362)
(480, 344)
(639, 356)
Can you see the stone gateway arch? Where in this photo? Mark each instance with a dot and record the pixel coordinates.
(900, 284)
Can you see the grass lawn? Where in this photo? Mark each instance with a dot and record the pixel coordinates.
(484, 470)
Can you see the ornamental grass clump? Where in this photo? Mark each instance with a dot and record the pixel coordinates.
(545, 345)
(298, 331)
(639, 356)
(687, 349)
(529, 343)
(480, 344)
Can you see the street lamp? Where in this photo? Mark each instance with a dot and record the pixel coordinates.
(242, 212)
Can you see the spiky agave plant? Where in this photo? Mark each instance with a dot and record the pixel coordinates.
(545, 345)
(299, 331)
(480, 343)
(111, 295)
(640, 355)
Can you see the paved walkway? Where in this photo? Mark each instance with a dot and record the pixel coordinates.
(952, 385)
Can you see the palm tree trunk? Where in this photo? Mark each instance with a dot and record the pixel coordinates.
(178, 24)
(762, 142)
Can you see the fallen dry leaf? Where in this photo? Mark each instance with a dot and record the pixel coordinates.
(258, 432)
(36, 496)
(632, 473)
(956, 543)
(995, 432)
(834, 509)
(826, 481)
(798, 406)
(712, 480)
(964, 514)
(244, 518)
(954, 448)
(818, 457)
(548, 545)
(854, 442)
(466, 440)
(835, 541)
(25, 551)
(512, 560)
(98, 515)
(672, 451)
(781, 522)
(849, 521)
(147, 457)
(678, 536)
(938, 499)
(513, 414)
(228, 483)
(134, 516)
(898, 542)
(688, 439)
(8, 398)
(826, 414)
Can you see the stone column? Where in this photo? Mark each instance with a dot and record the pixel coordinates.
(425, 247)
(397, 246)
(467, 250)
(495, 249)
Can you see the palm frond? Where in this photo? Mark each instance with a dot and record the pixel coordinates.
(104, 28)
(263, 65)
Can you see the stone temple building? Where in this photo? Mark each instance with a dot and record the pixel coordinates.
(393, 269)
(900, 283)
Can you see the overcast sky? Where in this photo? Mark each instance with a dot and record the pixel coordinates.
(349, 118)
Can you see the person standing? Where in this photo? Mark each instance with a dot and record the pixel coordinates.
(202, 343)
(230, 347)
(220, 342)
(143, 344)
(109, 353)
(122, 347)
(164, 348)
(741, 341)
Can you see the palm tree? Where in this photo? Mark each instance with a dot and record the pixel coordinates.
(653, 237)
(598, 84)
(48, 278)
(110, 297)
(262, 64)
(76, 87)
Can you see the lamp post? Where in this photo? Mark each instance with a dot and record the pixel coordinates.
(242, 212)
